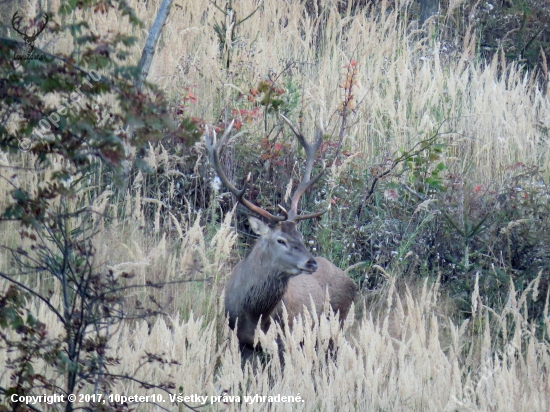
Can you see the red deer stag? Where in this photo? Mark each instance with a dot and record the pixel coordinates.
(279, 268)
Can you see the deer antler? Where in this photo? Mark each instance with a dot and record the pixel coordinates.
(214, 151)
(291, 216)
(311, 151)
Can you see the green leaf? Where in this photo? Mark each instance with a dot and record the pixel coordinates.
(19, 195)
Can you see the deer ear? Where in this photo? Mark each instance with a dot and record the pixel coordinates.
(257, 226)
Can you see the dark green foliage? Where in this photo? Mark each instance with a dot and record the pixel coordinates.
(520, 27)
(98, 115)
(90, 122)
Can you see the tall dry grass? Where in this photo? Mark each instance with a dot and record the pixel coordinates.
(408, 356)
(495, 113)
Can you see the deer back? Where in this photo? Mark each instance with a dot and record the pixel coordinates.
(305, 288)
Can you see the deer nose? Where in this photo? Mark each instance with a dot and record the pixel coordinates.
(311, 265)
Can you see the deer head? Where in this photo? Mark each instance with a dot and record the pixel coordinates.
(284, 245)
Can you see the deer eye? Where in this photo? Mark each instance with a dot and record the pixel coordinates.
(281, 242)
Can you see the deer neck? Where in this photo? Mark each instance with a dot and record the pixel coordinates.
(267, 283)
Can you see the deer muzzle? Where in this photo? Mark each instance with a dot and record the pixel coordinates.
(310, 266)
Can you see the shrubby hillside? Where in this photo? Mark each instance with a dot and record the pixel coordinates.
(117, 239)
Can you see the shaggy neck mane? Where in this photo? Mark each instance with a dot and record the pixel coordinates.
(269, 284)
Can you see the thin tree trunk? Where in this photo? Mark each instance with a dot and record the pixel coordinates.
(149, 50)
(145, 64)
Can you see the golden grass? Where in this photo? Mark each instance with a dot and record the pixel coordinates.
(496, 114)
(408, 357)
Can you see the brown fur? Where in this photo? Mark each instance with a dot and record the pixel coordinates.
(341, 289)
(277, 269)
(260, 280)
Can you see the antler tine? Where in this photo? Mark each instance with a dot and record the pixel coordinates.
(214, 152)
(310, 216)
(311, 151)
(283, 211)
